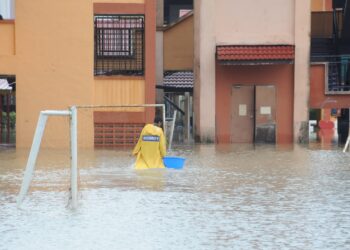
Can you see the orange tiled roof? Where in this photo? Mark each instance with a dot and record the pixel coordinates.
(254, 52)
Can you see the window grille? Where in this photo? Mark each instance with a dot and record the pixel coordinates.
(119, 45)
(117, 134)
(337, 77)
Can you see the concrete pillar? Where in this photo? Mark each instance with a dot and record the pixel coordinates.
(204, 70)
(159, 50)
(302, 31)
(159, 66)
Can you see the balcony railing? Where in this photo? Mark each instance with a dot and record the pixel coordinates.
(338, 76)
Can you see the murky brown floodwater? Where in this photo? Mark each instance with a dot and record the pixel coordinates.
(226, 197)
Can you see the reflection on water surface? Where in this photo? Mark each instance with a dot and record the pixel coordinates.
(226, 197)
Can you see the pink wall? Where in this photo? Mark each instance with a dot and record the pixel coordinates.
(328, 5)
(281, 76)
(254, 22)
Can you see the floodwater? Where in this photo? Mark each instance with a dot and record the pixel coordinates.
(226, 197)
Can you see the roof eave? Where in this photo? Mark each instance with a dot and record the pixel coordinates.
(255, 62)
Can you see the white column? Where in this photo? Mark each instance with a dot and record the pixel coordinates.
(159, 50)
(204, 67)
(159, 66)
(302, 31)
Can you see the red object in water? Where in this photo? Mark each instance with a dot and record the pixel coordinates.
(326, 124)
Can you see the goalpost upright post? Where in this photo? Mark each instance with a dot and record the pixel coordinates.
(74, 155)
(34, 151)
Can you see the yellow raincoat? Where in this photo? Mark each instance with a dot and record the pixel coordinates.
(151, 148)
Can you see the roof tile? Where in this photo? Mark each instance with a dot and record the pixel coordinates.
(255, 52)
(179, 79)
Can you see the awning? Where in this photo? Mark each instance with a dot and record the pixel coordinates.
(178, 81)
(254, 54)
(4, 85)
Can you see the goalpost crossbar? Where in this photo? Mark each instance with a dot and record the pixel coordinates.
(39, 131)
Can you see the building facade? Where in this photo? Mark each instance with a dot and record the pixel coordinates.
(80, 52)
(330, 65)
(251, 67)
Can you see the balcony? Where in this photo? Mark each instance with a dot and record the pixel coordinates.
(329, 46)
(326, 28)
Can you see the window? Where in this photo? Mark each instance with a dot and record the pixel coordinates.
(119, 45)
(337, 77)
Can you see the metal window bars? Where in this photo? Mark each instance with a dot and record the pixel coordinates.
(119, 45)
(338, 74)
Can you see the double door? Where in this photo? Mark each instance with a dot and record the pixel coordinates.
(253, 114)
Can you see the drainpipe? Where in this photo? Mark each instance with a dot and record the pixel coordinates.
(0, 118)
(8, 118)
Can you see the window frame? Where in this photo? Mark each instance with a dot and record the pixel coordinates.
(117, 39)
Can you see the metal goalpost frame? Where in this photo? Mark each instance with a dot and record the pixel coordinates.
(348, 139)
(127, 106)
(172, 130)
(34, 150)
(74, 156)
(346, 144)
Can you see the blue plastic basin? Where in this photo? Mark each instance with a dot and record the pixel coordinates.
(174, 162)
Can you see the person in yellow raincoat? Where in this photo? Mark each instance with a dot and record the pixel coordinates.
(151, 146)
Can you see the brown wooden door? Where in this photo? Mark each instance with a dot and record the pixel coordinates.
(265, 115)
(242, 114)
